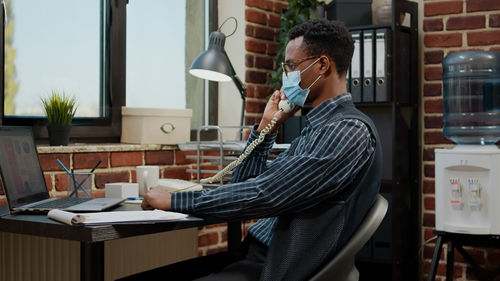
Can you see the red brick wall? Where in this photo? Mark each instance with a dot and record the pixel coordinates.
(261, 30)
(115, 167)
(450, 26)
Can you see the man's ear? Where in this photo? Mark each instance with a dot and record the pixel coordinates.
(327, 66)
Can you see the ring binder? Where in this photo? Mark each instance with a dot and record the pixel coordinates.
(382, 65)
(368, 87)
(356, 67)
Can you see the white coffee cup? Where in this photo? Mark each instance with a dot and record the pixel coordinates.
(147, 176)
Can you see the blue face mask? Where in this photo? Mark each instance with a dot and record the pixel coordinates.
(291, 86)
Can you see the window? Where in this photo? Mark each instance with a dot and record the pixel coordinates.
(61, 53)
(163, 38)
(80, 48)
(64, 46)
(156, 54)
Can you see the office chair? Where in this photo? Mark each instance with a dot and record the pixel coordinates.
(341, 267)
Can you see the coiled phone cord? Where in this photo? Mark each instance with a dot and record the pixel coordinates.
(245, 154)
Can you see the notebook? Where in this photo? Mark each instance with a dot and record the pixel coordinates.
(23, 179)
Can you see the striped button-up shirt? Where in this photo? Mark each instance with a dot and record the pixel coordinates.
(319, 163)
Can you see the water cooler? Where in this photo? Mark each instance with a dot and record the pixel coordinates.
(468, 175)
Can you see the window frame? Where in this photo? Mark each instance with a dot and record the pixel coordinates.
(213, 87)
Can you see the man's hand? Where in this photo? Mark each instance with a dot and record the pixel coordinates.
(272, 108)
(157, 198)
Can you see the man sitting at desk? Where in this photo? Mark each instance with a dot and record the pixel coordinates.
(307, 199)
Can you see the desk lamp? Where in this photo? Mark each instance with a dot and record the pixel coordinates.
(214, 64)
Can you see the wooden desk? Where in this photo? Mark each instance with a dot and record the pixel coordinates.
(92, 238)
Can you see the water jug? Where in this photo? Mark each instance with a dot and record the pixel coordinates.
(471, 97)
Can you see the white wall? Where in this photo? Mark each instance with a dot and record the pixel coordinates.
(229, 97)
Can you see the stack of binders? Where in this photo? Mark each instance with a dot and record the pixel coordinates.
(368, 77)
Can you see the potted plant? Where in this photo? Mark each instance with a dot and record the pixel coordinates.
(60, 110)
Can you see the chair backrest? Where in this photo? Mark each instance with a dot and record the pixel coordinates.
(341, 267)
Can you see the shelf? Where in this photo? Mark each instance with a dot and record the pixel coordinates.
(371, 26)
(373, 104)
(227, 146)
(208, 157)
(203, 171)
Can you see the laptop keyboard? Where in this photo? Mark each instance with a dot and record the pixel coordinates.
(61, 203)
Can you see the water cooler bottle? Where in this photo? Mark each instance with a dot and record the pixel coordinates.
(468, 175)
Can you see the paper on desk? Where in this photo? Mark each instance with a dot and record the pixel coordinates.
(62, 216)
(114, 217)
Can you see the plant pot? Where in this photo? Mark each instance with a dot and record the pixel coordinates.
(58, 134)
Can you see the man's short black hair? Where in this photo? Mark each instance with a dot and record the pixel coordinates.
(325, 37)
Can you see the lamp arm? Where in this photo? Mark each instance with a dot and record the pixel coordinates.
(243, 92)
(241, 87)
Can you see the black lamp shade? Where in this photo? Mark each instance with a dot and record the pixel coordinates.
(213, 64)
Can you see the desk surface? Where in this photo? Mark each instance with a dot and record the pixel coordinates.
(41, 225)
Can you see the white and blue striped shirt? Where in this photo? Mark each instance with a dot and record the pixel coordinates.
(319, 163)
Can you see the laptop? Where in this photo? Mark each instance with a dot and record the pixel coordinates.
(23, 179)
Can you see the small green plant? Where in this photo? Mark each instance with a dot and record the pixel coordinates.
(59, 108)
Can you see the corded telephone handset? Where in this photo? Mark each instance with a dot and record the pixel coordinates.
(284, 106)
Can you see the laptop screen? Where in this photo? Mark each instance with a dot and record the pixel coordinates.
(20, 167)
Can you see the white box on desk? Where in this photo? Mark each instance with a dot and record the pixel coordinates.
(122, 190)
(155, 125)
